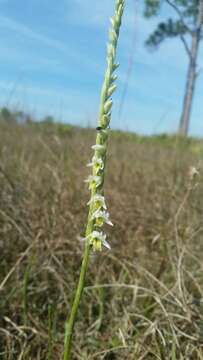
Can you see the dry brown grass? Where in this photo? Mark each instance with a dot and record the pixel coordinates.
(143, 300)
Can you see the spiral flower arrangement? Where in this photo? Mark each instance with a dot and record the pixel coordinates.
(98, 214)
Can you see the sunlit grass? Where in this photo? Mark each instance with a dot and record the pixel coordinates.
(143, 297)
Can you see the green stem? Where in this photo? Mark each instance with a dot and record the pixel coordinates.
(78, 294)
(71, 320)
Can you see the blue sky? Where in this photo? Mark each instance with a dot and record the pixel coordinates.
(53, 60)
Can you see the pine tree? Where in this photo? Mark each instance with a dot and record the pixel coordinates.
(188, 26)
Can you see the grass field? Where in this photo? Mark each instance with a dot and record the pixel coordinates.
(144, 298)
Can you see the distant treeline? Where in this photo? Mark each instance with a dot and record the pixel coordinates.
(21, 117)
(51, 126)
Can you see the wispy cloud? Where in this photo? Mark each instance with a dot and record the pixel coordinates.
(13, 25)
(63, 54)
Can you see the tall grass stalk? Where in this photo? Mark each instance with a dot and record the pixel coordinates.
(25, 293)
(98, 215)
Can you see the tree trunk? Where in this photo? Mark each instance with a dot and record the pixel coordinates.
(190, 87)
(191, 75)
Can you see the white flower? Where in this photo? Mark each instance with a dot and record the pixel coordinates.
(97, 163)
(101, 217)
(193, 172)
(98, 201)
(98, 147)
(94, 181)
(97, 239)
